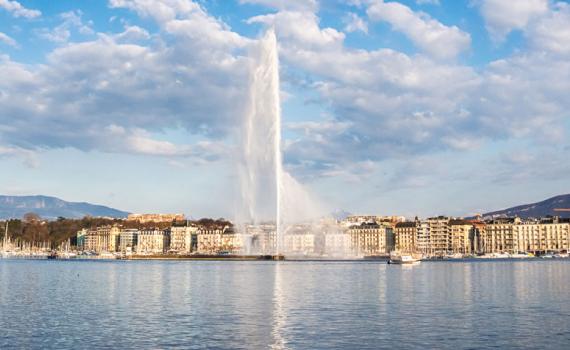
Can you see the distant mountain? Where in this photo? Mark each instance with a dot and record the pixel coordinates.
(536, 210)
(51, 208)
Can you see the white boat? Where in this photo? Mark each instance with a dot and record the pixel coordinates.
(403, 259)
(521, 256)
(106, 255)
(6, 254)
(561, 255)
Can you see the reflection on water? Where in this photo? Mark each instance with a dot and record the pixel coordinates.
(284, 305)
(279, 314)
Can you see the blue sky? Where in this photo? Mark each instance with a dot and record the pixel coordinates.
(418, 107)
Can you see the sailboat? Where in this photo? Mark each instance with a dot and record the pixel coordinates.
(5, 252)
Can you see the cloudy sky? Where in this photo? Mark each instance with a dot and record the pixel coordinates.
(417, 107)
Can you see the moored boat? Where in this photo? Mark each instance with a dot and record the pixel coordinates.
(504, 255)
(521, 256)
(403, 259)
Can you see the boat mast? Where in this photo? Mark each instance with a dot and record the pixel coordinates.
(5, 241)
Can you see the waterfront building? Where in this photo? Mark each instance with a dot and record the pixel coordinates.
(476, 236)
(145, 218)
(439, 235)
(499, 235)
(219, 240)
(461, 232)
(423, 237)
(152, 241)
(183, 239)
(554, 234)
(91, 241)
(405, 234)
(114, 233)
(353, 220)
(128, 240)
(371, 239)
(513, 235)
(81, 234)
(263, 238)
(232, 243)
(299, 243)
(102, 239)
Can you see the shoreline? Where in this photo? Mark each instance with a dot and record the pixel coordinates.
(205, 257)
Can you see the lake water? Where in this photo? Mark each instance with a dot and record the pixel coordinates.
(284, 305)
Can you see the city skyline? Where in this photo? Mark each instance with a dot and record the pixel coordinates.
(132, 104)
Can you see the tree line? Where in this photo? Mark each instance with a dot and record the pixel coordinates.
(32, 228)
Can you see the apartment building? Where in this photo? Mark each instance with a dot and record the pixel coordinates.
(152, 241)
(371, 239)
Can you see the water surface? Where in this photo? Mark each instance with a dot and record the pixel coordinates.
(284, 305)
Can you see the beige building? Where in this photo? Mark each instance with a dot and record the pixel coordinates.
(152, 241)
(102, 239)
(371, 219)
(371, 239)
(299, 243)
(498, 237)
(461, 232)
(423, 237)
(530, 236)
(405, 236)
(216, 241)
(183, 239)
(144, 218)
(439, 235)
(232, 243)
(128, 240)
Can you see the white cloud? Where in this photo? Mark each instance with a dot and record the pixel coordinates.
(17, 10)
(7, 40)
(29, 157)
(112, 95)
(426, 33)
(501, 17)
(70, 21)
(140, 142)
(305, 32)
(161, 10)
(117, 92)
(427, 2)
(552, 32)
(353, 23)
(388, 105)
(133, 33)
(296, 5)
(523, 96)
(185, 18)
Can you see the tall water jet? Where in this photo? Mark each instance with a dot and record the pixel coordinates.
(269, 194)
(261, 171)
